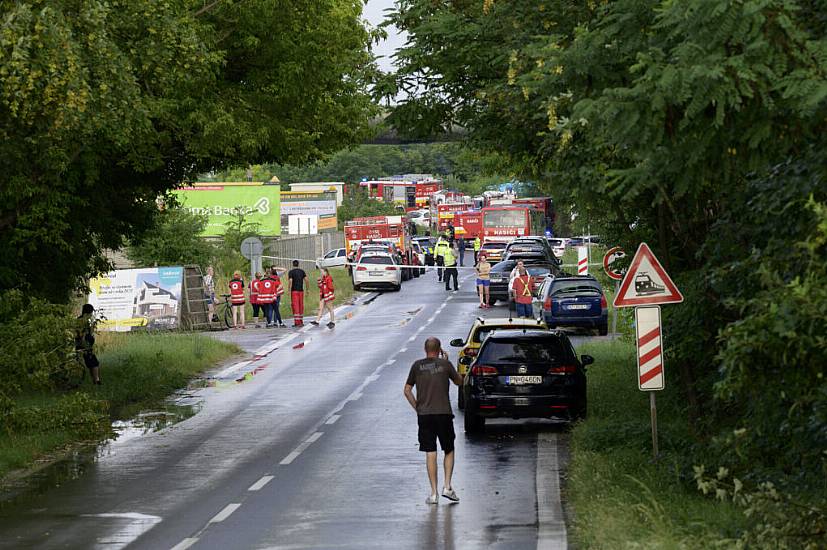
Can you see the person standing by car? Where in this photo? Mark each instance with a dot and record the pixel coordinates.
(450, 259)
(432, 377)
(461, 246)
(296, 278)
(237, 299)
(477, 246)
(326, 297)
(523, 285)
(483, 269)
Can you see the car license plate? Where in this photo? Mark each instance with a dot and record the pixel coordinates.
(521, 401)
(579, 306)
(375, 273)
(521, 380)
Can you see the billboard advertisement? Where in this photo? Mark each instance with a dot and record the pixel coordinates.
(129, 299)
(221, 202)
(309, 203)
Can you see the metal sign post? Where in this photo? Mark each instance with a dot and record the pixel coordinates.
(644, 286)
(614, 313)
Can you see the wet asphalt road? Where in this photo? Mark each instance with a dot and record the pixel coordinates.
(317, 450)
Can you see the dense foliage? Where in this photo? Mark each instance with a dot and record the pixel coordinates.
(694, 125)
(106, 104)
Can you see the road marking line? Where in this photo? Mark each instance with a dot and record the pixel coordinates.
(184, 544)
(403, 350)
(551, 531)
(301, 448)
(225, 513)
(333, 418)
(372, 378)
(314, 437)
(390, 362)
(260, 483)
(232, 368)
(431, 319)
(355, 396)
(412, 338)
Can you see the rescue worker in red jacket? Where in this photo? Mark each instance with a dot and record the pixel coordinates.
(266, 297)
(275, 315)
(523, 288)
(326, 297)
(255, 299)
(237, 298)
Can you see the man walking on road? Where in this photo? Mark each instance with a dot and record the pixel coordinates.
(439, 253)
(450, 259)
(432, 377)
(477, 246)
(297, 290)
(461, 245)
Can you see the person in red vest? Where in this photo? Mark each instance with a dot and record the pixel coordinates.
(298, 288)
(326, 297)
(523, 286)
(255, 299)
(237, 298)
(275, 314)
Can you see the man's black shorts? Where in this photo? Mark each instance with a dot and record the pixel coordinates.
(433, 427)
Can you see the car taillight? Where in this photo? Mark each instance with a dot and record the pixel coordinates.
(603, 303)
(390, 268)
(563, 369)
(483, 370)
(547, 304)
(361, 268)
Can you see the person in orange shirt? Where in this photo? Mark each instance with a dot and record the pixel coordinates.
(326, 297)
(523, 287)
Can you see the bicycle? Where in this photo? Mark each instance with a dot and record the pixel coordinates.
(225, 311)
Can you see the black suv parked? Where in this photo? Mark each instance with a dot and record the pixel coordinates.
(525, 374)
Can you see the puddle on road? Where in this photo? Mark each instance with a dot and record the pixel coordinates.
(19, 492)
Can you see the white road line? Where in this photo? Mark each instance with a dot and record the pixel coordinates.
(551, 532)
(390, 362)
(355, 396)
(333, 418)
(232, 368)
(184, 544)
(260, 483)
(300, 449)
(225, 513)
(431, 319)
(372, 377)
(412, 338)
(403, 350)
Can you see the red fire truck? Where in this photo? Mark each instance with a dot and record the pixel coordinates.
(390, 229)
(468, 224)
(405, 193)
(505, 223)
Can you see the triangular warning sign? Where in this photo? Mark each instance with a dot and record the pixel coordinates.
(646, 282)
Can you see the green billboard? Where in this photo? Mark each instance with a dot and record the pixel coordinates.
(221, 202)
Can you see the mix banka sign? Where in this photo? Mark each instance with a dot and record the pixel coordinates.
(258, 203)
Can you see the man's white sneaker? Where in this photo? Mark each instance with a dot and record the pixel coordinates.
(450, 494)
(433, 499)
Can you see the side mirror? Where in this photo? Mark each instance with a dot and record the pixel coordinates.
(586, 360)
(457, 342)
(465, 360)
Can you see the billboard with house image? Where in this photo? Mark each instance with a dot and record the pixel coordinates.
(144, 298)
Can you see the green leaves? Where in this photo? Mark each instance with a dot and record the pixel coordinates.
(106, 104)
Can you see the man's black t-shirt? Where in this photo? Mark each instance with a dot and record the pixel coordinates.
(297, 277)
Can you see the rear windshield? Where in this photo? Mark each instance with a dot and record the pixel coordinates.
(555, 242)
(537, 271)
(535, 350)
(575, 287)
(382, 260)
(490, 246)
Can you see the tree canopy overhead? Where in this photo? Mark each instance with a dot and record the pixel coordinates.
(104, 105)
(677, 122)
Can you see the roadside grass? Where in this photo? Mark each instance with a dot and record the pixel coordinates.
(620, 497)
(138, 371)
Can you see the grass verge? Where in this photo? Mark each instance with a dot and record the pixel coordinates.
(138, 371)
(621, 499)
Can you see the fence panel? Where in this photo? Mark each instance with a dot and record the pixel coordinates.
(302, 247)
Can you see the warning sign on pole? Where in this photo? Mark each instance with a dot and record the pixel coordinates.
(646, 282)
(582, 260)
(649, 349)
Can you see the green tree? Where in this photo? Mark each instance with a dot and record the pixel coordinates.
(105, 105)
(175, 239)
(654, 118)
